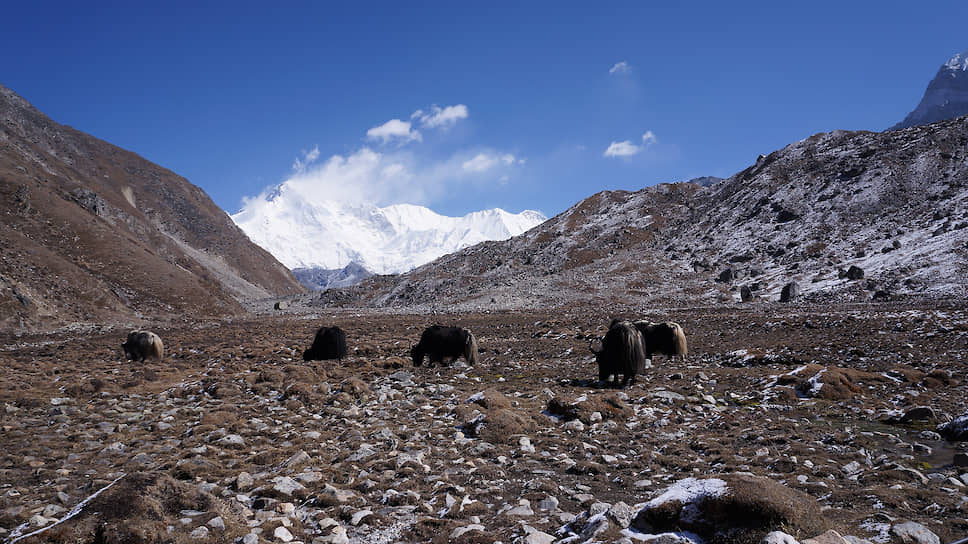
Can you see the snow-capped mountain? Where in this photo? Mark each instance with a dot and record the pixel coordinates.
(330, 235)
(946, 96)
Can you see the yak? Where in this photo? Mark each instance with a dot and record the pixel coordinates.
(438, 342)
(141, 345)
(666, 338)
(329, 343)
(622, 352)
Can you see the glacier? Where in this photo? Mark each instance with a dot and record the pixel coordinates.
(329, 234)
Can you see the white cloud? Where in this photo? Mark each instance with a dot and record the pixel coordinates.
(394, 129)
(482, 162)
(439, 117)
(308, 158)
(626, 148)
(622, 149)
(620, 68)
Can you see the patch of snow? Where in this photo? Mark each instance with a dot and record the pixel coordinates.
(688, 492)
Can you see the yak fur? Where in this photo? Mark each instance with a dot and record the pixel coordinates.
(142, 345)
(438, 342)
(622, 353)
(329, 343)
(666, 338)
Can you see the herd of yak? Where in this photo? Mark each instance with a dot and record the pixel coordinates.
(623, 350)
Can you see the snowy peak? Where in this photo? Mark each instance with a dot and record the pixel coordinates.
(946, 96)
(324, 234)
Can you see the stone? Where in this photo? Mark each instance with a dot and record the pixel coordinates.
(854, 273)
(911, 532)
(459, 531)
(283, 534)
(244, 481)
(280, 305)
(250, 538)
(358, 517)
(829, 537)
(522, 509)
(621, 514)
(548, 504)
(574, 425)
(199, 532)
(920, 413)
(289, 487)
(217, 523)
(233, 441)
(778, 537)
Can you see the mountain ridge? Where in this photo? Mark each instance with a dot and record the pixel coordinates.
(330, 235)
(946, 96)
(893, 204)
(93, 232)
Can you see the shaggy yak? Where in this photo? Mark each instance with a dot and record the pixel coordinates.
(622, 352)
(143, 344)
(329, 343)
(666, 338)
(438, 342)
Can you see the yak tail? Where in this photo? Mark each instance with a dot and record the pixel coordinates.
(157, 348)
(635, 351)
(470, 348)
(679, 340)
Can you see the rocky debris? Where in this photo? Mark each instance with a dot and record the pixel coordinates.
(513, 449)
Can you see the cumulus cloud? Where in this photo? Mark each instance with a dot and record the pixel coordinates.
(626, 148)
(308, 158)
(439, 117)
(394, 129)
(620, 68)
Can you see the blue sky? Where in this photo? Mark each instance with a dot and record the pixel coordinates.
(232, 94)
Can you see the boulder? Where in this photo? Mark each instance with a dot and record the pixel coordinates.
(735, 507)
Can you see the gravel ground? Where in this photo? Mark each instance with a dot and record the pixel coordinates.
(232, 436)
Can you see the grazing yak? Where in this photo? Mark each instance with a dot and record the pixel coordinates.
(622, 352)
(142, 345)
(438, 342)
(329, 343)
(666, 338)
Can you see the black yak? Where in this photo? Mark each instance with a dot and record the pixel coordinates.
(438, 342)
(666, 338)
(141, 345)
(329, 343)
(622, 352)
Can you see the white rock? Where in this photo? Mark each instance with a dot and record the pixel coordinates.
(459, 532)
(199, 532)
(778, 537)
(911, 532)
(216, 523)
(283, 534)
(287, 486)
(574, 425)
(231, 441)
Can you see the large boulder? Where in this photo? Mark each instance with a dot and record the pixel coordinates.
(730, 508)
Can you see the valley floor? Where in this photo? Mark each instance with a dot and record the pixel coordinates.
(232, 434)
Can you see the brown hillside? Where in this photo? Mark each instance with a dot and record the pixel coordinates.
(94, 233)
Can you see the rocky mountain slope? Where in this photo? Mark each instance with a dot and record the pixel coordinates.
(318, 235)
(946, 96)
(892, 205)
(94, 233)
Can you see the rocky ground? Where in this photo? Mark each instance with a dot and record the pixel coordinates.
(801, 419)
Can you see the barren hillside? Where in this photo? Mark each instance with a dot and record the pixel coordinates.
(891, 204)
(94, 233)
